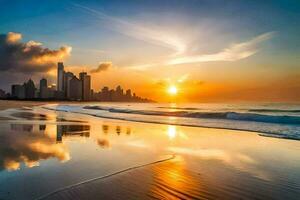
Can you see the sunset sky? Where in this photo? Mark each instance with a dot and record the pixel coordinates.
(210, 50)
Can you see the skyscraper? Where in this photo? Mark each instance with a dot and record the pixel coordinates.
(128, 95)
(67, 77)
(29, 89)
(86, 86)
(18, 91)
(82, 75)
(43, 83)
(2, 94)
(118, 94)
(128, 92)
(60, 77)
(74, 89)
(43, 88)
(105, 95)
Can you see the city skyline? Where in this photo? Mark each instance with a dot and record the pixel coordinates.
(69, 87)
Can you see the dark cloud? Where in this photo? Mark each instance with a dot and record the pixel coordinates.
(102, 67)
(29, 56)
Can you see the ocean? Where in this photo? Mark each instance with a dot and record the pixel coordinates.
(269, 119)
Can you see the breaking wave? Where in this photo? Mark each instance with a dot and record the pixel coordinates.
(262, 121)
(246, 116)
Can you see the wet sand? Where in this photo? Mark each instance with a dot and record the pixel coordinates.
(6, 104)
(113, 159)
(224, 169)
(166, 180)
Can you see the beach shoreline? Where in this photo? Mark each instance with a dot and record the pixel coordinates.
(207, 163)
(7, 104)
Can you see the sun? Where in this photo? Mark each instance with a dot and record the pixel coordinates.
(172, 90)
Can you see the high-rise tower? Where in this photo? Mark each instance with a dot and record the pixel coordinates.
(43, 88)
(60, 77)
(86, 86)
(29, 89)
(67, 77)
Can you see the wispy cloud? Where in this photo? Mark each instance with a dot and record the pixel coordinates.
(235, 52)
(171, 40)
(138, 31)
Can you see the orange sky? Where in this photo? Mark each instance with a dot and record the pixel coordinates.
(224, 85)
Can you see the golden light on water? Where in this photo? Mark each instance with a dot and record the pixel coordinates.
(172, 132)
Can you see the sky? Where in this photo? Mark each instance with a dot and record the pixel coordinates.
(210, 50)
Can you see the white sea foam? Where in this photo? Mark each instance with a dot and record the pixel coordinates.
(280, 121)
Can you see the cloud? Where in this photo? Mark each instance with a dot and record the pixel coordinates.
(153, 35)
(29, 56)
(234, 52)
(183, 80)
(166, 38)
(13, 37)
(102, 67)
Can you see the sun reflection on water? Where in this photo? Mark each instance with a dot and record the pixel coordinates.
(172, 132)
(173, 181)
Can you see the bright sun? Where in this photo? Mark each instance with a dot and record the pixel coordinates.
(172, 90)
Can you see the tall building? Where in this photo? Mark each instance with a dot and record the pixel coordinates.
(82, 75)
(128, 95)
(128, 92)
(67, 77)
(18, 91)
(43, 83)
(75, 89)
(105, 94)
(118, 96)
(2, 94)
(86, 86)
(44, 89)
(29, 89)
(60, 77)
(51, 91)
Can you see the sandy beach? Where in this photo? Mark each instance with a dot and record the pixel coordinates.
(6, 104)
(76, 156)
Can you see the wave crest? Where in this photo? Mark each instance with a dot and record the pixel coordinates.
(279, 119)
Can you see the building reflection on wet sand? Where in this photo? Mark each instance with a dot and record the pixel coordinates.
(82, 130)
(71, 130)
(23, 146)
(28, 144)
(118, 129)
(21, 127)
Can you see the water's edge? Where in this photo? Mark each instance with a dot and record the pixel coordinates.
(260, 133)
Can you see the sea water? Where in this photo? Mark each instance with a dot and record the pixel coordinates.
(273, 120)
